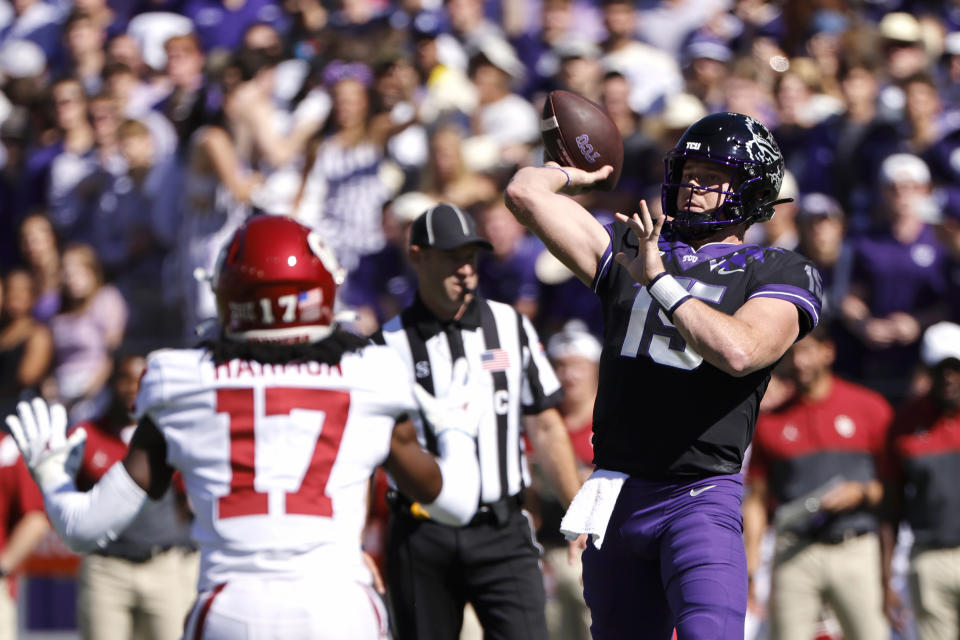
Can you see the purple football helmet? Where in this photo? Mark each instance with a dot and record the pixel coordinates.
(736, 141)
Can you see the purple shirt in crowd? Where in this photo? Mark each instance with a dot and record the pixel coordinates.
(220, 27)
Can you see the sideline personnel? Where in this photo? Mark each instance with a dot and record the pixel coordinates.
(823, 444)
(433, 569)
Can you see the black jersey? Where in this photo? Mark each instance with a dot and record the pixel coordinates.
(662, 411)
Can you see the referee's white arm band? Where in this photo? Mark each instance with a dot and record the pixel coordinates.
(460, 495)
(668, 292)
(91, 519)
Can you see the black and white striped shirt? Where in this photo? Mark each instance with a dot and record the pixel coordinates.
(499, 342)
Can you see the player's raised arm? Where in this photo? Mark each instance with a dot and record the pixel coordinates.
(84, 520)
(537, 196)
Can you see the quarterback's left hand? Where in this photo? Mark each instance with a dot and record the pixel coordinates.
(40, 432)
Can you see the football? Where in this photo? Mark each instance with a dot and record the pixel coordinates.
(578, 133)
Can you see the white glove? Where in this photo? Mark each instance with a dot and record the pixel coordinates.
(460, 409)
(40, 433)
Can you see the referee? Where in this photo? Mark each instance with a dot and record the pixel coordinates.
(492, 562)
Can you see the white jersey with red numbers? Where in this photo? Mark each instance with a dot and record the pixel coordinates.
(276, 458)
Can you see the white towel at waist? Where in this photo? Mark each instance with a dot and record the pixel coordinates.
(593, 505)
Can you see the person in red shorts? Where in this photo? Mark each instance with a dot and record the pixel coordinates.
(815, 458)
(921, 476)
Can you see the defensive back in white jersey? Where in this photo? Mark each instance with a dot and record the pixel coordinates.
(276, 458)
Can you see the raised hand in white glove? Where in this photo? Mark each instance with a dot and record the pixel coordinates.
(40, 432)
(460, 409)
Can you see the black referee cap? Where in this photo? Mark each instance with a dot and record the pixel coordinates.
(445, 227)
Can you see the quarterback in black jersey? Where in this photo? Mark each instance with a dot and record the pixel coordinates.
(694, 321)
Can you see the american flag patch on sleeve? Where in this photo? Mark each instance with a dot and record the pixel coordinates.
(494, 360)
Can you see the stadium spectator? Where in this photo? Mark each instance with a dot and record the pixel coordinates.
(442, 66)
(36, 21)
(536, 48)
(447, 176)
(41, 255)
(342, 171)
(26, 347)
(217, 191)
(820, 238)
(844, 151)
(904, 55)
(384, 283)
(507, 272)
(948, 232)
(706, 68)
(641, 160)
(58, 168)
(896, 281)
(136, 220)
(220, 25)
(502, 115)
(653, 74)
(825, 443)
(85, 51)
(580, 69)
(134, 100)
(187, 105)
(920, 479)
(395, 88)
(86, 331)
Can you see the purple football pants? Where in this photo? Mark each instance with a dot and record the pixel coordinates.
(670, 558)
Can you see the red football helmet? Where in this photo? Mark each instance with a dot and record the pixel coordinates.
(275, 281)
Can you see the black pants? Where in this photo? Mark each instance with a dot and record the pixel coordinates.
(433, 570)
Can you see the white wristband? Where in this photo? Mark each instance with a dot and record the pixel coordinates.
(668, 292)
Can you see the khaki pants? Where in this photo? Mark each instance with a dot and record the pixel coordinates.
(568, 617)
(934, 580)
(845, 576)
(8, 612)
(117, 598)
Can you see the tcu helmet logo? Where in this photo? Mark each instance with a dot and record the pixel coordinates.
(586, 149)
(763, 149)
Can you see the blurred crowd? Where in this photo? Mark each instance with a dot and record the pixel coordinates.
(137, 135)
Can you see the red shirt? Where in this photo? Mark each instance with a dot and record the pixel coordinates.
(923, 459)
(104, 447)
(805, 444)
(19, 494)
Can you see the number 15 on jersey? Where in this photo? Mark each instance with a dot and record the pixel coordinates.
(651, 333)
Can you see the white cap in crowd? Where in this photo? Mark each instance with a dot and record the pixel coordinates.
(904, 167)
(22, 59)
(574, 340)
(408, 206)
(940, 342)
(901, 27)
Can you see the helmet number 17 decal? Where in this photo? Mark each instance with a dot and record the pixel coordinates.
(651, 332)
